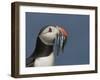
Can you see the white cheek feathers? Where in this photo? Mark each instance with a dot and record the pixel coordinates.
(48, 37)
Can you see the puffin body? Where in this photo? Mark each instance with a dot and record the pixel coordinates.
(48, 38)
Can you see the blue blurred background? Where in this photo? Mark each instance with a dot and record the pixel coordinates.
(77, 48)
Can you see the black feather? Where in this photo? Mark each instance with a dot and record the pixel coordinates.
(41, 50)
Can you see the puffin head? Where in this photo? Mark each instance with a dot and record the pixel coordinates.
(53, 35)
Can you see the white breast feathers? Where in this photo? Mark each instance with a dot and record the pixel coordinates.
(45, 61)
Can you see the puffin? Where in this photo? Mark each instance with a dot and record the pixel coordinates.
(51, 40)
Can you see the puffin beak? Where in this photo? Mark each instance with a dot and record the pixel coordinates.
(63, 32)
(61, 39)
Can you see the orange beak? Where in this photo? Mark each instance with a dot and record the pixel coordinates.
(61, 30)
(61, 39)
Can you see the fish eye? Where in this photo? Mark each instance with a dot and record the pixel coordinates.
(50, 30)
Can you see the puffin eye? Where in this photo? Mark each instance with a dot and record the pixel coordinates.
(50, 30)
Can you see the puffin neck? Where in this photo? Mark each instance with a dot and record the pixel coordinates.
(43, 49)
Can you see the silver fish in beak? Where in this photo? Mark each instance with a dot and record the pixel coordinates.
(60, 40)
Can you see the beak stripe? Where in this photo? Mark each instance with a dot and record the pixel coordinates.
(63, 31)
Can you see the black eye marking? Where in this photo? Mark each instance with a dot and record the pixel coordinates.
(50, 30)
